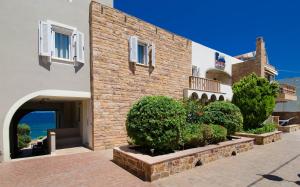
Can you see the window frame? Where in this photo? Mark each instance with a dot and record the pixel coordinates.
(145, 45)
(54, 56)
(65, 30)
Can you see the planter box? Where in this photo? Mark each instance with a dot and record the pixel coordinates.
(152, 168)
(289, 128)
(261, 139)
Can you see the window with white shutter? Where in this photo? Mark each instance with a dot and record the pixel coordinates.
(153, 55)
(133, 49)
(79, 47)
(61, 42)
(141, 52)
(45, 39)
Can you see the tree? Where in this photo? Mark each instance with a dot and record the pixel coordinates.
(255, 96)
(23, 135)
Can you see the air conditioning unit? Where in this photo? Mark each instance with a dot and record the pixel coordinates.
(195, 71)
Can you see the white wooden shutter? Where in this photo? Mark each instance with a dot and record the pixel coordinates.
(147, 51)
(133, 49)
(45, 39)
(73, 45)
(153, 55)
(79, 47)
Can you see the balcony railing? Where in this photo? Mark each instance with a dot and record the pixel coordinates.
(287, 89)
(271, 69)
(287, 93)
(204, 84)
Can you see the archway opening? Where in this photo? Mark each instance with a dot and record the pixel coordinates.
(46, 125)
(213, 98)
(29, 132)
(219, 75)
(204, 99)
(221, 98)
(194, 96)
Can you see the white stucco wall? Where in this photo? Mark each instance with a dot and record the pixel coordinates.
(204, 58)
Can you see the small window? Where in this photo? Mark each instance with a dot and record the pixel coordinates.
(62, 46)
(142, 53)
(61, 43)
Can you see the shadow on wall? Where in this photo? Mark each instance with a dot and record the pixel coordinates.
(78, 66)
(44, 62)
(132, 68)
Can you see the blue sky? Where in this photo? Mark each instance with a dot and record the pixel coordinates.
(230, 26)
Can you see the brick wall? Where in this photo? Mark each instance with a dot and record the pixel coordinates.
(116, 83)
(243, 69)
(255, 65)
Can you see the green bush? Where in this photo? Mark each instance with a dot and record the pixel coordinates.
(23, 134)
(194, 110)
(255, 96)
(192, 135)
(207, 134)
(23, 129)
(268, 127)
(195, 135)
(156, 122)
(219, 133)
(225, 114)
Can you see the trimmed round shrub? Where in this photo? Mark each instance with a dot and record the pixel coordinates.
(194, 110)
(255, 96)
(192, 135)
(156, 122)
(225, 114)
(207, 133)
(219, 133)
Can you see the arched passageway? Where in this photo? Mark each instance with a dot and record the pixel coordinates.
(73, 109)
(219, 75)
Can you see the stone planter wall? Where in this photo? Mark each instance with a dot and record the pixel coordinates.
(289, 128)
(261, 139)
(152, 168)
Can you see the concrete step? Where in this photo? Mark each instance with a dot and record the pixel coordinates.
(68, 142)
(67, 133)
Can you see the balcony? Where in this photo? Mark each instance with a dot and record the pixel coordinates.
(287, 93)
(271, 69)
(206, 90)
(203, 84)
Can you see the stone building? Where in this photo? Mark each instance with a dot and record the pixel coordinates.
(89, 62)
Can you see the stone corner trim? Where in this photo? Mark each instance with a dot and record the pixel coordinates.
(262, 139)
(289, 128)
(153, 168)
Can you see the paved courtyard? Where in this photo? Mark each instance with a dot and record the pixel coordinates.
(276, 164)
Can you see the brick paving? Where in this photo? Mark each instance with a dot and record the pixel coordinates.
(84, 169)
(278, 162)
